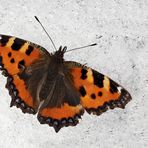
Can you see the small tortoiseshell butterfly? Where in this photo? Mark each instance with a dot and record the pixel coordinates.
(58, 90)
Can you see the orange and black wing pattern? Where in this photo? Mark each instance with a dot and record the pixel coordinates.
(59, 91)
(98, 92)
(58, 117)
(16, 54)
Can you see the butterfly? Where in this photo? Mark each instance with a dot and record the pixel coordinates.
(58, 91)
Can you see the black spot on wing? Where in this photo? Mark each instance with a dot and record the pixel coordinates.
(9, 54)
(18, 43)
(21, 63)
(83, 74)
(98, 78)
(29, 50)
(12, 60)
(93, 96)
(113, 86)
(100, 94)
(82, 91)
(4, 40)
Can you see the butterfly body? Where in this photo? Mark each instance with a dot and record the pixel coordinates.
(58, 90)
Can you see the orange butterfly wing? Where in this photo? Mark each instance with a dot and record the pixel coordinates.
(98, 92)
(59, 117)
(16, 53)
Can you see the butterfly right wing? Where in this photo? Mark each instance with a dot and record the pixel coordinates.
(98, 92)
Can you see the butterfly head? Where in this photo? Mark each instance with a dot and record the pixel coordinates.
(59, 54)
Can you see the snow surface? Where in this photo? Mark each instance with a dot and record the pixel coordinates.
(122, 54)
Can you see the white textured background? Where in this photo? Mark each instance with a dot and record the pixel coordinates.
(122, 54)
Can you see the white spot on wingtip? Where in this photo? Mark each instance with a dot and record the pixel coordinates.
(119, 89)
(0, 37)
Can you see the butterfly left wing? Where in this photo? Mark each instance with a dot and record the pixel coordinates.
(15, 55)
(98, 92)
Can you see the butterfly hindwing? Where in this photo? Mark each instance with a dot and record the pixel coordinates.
(98, 92)
(15, 55)
(59, 117)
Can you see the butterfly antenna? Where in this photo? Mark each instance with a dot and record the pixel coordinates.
(82, 47)
(45, 32)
